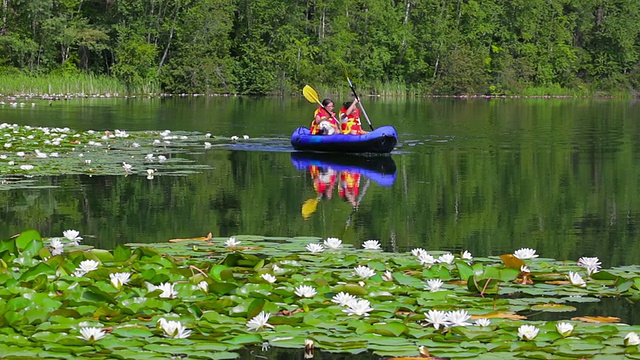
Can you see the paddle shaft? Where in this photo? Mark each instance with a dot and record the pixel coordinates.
(355, 94)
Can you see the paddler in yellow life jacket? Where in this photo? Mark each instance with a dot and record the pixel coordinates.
(324, 121)
(350, 119)
(349, 187)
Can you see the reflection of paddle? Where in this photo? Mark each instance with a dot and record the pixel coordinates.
(309, 207)
(353, 89)
(312, 96)
(355, 208)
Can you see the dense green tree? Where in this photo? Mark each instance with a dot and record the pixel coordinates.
(277, 46)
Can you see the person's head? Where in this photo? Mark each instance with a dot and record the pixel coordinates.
(347, 104)
(327, 103)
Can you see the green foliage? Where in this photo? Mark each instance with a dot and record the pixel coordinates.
(277, 46)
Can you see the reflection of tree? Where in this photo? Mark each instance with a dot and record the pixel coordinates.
(567, 192)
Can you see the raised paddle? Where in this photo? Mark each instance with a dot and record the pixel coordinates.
(355, 94)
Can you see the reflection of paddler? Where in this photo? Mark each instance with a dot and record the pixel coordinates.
(349, 186)
(323, 181)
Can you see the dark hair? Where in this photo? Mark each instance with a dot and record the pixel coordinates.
(347, 104)
(326, 102)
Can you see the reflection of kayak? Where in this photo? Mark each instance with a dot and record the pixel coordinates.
(381, 169)
(381, 140)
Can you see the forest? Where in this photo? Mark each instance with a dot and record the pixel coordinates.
(388, 47)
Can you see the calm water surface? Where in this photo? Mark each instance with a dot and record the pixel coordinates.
(489, 176)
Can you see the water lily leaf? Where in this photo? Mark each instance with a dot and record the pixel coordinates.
(121, 253)
(512, 262)
(352, 289)
(464, 269)
(552, 307)
(597, 319)
(389, 329)
(407, 280)
(26, 237)
(603, 275)
(502, 315)
(36, 271)
(97, 295)
(245, 339)
(103, 256)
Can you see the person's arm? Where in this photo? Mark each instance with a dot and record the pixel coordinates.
(352, 108)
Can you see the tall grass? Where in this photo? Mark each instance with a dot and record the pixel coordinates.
(75, 84)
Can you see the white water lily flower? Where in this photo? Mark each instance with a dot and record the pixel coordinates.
(315, 248)
(204, 286)
(364, 271)
(446, 258)
(56, 247)
(127, 167)
(433, 285)
(466, 256)
(269, 278)
(576, 279)
(592, 264)
(207, 145)
(631, 339)
(482, 322)
(387, 276)
(343, 298)
(306, 291)
(174, 329)
(168, 292)
(426, 259)
(527, 332)
(91, 333)
(119, 279)
(436, 318)
(231, 242)
(525, 253)
(564, 328)
(72, 236)
(458, 318)
(333, 243)
(246, 137)
(359, 307)
(26, 167)
(371, 245)
(417, 251)
(259, 322)
(87, 265)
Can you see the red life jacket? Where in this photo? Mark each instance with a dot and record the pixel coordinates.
(352, 121)
(315, 128)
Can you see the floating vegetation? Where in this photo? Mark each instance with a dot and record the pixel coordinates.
(212, 297)
(26, 152)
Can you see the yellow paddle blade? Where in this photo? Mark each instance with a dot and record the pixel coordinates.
(310, 94)
(309, 207)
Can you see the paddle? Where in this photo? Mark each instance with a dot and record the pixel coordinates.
(312, 96)
(309, 207)
(355, 94)
(355, 208)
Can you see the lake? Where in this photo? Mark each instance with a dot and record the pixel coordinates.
(485, 175)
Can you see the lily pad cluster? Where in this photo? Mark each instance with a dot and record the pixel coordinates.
(212, 297)
(28, 151)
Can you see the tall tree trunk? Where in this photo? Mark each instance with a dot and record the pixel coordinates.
(405, 24)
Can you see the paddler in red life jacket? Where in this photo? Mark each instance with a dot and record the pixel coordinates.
(324, 180)
(350, 119)
(349, 187)
(324, 121)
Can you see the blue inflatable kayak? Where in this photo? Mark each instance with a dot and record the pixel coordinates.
(382, 141)
(380, 169)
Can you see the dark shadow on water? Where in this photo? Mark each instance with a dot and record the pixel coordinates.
(298, 354)
(628, 310)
